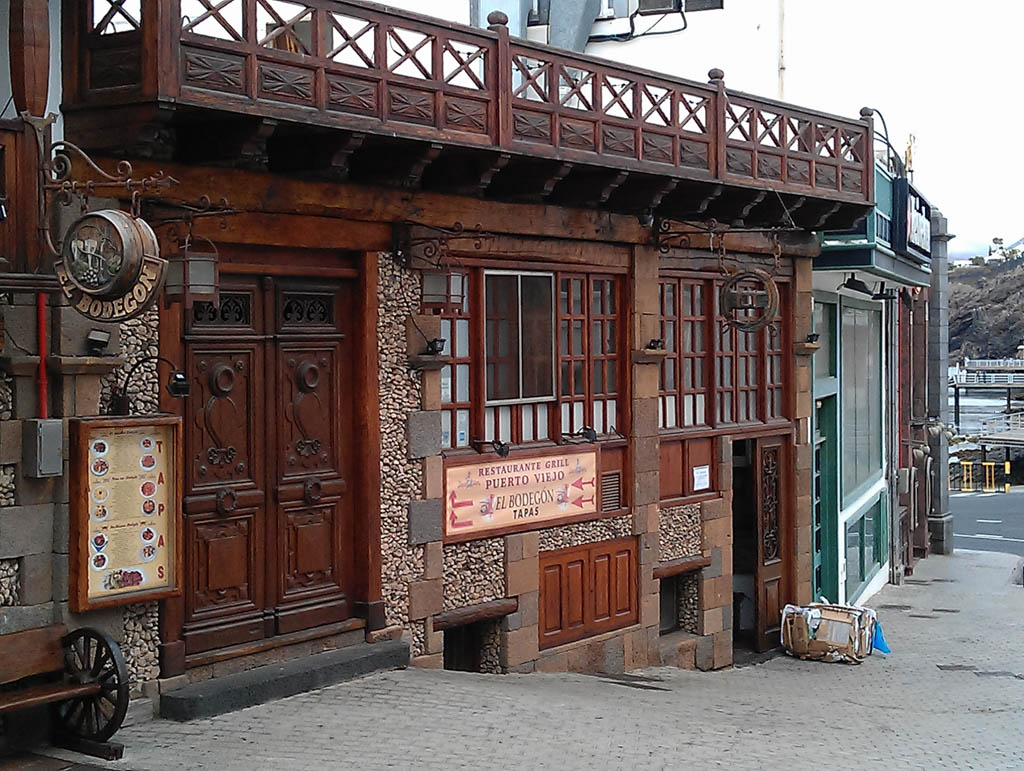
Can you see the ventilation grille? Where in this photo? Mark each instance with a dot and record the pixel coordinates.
(611, 491)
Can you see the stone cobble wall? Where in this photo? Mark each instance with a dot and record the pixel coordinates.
(490, 651)
(141, 622)
(140, 337)
(141, 638)
(401, 478)
(689, 602)
(679, 532)
(474, 572)
(9, 583)
(7, 486)
(6, 397)
(581, 533)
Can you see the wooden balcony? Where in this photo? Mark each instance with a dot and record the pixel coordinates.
(355, 91)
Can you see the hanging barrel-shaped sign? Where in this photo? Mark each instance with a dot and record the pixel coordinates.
(111, 268)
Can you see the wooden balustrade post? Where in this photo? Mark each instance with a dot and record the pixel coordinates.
(867, 116)
(716, 78)
(497, 22)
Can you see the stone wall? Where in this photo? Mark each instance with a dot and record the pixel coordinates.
(581, 533)
(689, 602)
(9, 586)
(139, 337)
(401, 476)
(679, 534)
(7, 485)
(474, 572)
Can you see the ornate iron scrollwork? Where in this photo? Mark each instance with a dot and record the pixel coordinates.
(770, 503)
(433, 244)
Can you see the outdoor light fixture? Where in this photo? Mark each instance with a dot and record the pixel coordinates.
(646, 218)
(813, 337)
(588, 433)
(3, 208)
(192, 274)
(854, 284)
(177, 386)
(885, 294)
(96, 341)
(436, 346)
(655, 344)
(501, 448)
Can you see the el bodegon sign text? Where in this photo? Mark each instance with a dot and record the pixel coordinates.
(519, 494)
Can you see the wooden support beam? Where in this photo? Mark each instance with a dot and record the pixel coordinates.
(485, 611)
(680, 566)
(269, 193)
(296, 231)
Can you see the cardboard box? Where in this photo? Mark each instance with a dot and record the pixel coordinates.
(830, 633)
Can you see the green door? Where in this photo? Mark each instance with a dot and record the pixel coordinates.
(824, 498)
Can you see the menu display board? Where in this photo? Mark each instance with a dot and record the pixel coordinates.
(125, 510)
(518, 494)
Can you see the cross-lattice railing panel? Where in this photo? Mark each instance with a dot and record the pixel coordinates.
(777, 143)
(580, 105)
(366, 68)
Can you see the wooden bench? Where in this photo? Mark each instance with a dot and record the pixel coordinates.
(82, 674)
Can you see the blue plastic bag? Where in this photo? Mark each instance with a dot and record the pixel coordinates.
(879, 643)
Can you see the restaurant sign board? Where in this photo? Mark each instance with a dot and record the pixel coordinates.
(519, 493)
(125, 504)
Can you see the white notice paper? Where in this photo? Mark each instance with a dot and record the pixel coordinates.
(701, 477)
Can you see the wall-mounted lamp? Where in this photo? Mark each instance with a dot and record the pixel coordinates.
(192, 273)
(502, 448)
(885, 294)
(655, 344)
(589, 434)
(854, 284)
(813, 337)
(96, 341)
(3, 208)
(436, 346)
(120, 401)
(646, 218)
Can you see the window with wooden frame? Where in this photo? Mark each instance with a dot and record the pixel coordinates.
(725, 377)
(540, 362)
(446, 294)
(684, 375)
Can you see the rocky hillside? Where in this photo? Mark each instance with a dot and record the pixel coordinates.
(986, 310)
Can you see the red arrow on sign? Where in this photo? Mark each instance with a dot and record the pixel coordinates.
(457, 504)
(581, 500)
(579, 484)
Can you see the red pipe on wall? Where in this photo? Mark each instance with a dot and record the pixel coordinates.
(41, 331)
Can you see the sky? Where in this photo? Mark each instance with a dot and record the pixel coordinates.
(945, 71)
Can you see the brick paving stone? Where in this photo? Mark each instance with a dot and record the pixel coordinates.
(895, 712)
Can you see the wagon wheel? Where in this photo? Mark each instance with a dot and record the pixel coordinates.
(92, 657)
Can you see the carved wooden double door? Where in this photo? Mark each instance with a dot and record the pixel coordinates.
(268, 439)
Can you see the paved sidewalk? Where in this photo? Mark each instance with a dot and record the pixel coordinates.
(951, 696)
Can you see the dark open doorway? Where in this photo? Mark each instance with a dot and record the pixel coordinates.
(744, 545)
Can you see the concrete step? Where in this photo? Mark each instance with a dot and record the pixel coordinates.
(139, 711)
(276, 681)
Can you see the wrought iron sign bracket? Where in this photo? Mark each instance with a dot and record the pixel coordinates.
(434, 245)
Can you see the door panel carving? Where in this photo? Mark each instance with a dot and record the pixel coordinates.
(309, 393)
(225, 427)
(224, 572)
(312, 538)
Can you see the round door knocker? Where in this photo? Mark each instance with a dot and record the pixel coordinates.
(312, 491)
(227, 501)
(749, 300)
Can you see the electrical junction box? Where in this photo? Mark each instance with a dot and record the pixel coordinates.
(42, 447)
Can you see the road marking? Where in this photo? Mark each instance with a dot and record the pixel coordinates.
(989, 521)
(960, 495)
(990, 537)
(989, 495)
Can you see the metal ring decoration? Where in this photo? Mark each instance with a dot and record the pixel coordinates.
(227, 501)
(312, 491)
(92, 658)
(771, 307)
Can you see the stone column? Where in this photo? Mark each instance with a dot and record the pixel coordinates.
(940, 521)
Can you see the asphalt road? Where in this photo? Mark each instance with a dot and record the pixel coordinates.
(989, 521)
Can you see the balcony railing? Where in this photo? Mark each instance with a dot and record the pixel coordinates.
(362, 67)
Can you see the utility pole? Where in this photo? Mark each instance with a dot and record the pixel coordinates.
(782, 50)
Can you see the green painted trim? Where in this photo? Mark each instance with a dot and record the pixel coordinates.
(829, 555)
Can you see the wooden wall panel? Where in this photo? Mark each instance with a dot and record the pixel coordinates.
(587, 590)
